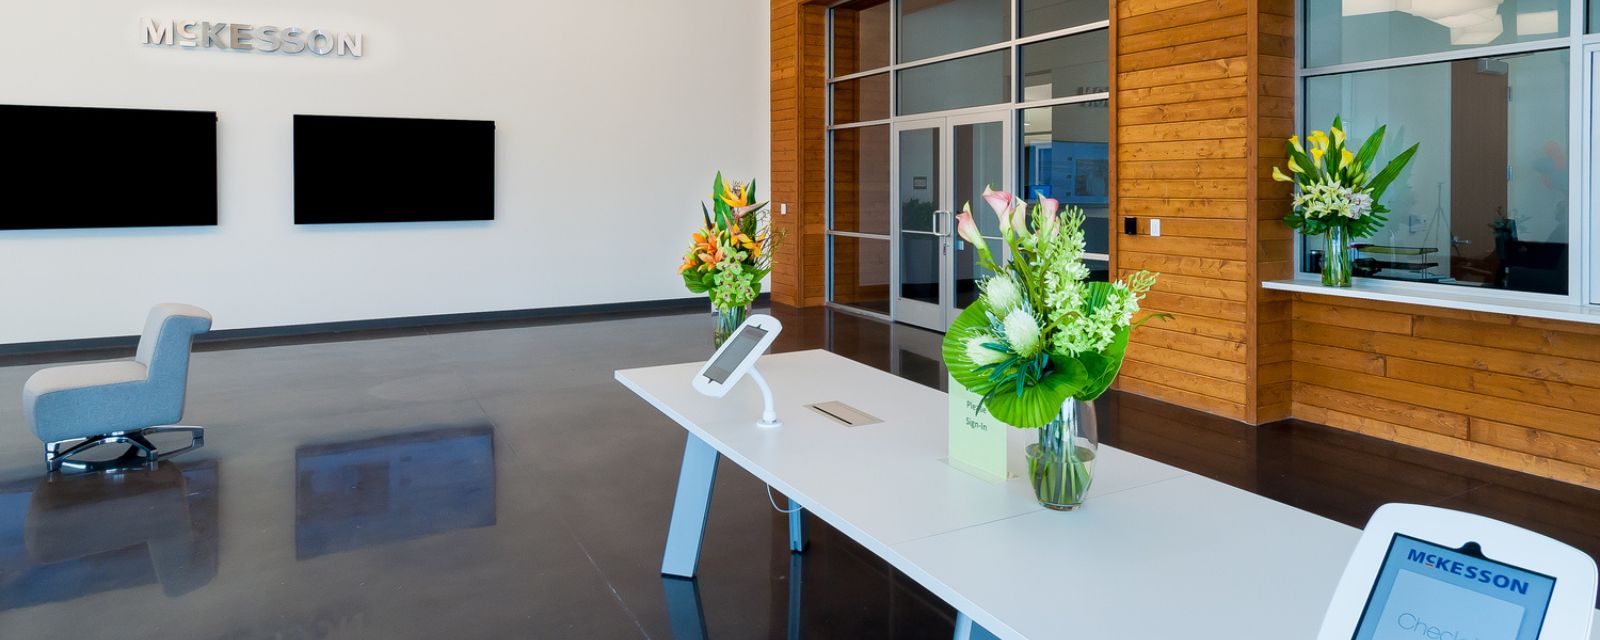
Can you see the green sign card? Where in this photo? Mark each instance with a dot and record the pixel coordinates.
(977, 440)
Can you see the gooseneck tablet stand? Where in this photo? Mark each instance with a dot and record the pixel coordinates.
(769, 413)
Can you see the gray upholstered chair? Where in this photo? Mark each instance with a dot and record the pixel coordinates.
(88, 405)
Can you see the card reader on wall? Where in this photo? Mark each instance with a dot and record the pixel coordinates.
(736, 359)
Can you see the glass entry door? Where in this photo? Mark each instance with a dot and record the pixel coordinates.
(941, 164)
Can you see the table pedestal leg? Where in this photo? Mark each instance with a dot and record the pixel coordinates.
(690, 508)
(966, 629)
(797, 528)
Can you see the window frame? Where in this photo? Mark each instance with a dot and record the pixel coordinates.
(1013, 105)
(1583, 270)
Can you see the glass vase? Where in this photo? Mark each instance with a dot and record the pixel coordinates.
(1336, 267)
(1061, 465)
(728, 321)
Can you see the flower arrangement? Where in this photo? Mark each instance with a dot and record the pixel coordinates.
(731, 253)
(1337, 187)
(1041, 333)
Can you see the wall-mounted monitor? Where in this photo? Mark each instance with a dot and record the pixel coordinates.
(79, 167)
(353, 170)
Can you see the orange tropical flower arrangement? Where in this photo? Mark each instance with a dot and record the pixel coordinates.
(731, 254)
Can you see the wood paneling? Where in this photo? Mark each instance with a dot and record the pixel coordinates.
(1272, 81)
(1514, 392)
(1185, 119)
(799, 106)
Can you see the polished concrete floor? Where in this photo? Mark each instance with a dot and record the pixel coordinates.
(498, 483)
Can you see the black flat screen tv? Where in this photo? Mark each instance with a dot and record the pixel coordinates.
(81, 167)
(355, 169)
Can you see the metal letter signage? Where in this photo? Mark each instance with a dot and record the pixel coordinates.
(244, 37)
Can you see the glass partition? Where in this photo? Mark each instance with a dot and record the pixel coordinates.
(1044, 16)
(858, 38)
(931, 28)
(973, 81)
(860, 180)
(1072, 66)
(859, 272)
(955, 77)
(1065, 156)
(861, 99)
(1342, 31)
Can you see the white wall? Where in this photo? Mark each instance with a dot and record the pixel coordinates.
(612, 116)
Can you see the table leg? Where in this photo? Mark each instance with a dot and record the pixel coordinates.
(798, 537)
(966, 629)
(690, 508)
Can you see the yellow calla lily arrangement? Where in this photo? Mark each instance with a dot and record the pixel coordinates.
(729, 256)
(1337, 188)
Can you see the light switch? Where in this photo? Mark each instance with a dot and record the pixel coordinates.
(783, 208)
(1155, 227)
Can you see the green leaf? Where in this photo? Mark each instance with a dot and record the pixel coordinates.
(1108, 365)
(1380, 183)
(693, 283)
(1037, 405)
(972, 320)
(1095, 296)
(1369, 149)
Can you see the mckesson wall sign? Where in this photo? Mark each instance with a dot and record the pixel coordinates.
(244, 37)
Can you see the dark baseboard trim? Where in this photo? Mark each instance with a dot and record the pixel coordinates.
(117, 346)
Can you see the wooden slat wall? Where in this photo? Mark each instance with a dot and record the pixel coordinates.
(799, 105)
(1272, 100)
(1510, 391)
(1183, 107)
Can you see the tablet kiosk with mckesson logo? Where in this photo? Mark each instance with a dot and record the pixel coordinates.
(1426, 572)
(736, 359)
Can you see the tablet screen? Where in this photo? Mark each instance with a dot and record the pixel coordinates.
(742, 344)
(1424, 590)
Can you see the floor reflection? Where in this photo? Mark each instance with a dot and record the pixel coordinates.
(67, 536)
(362, 493)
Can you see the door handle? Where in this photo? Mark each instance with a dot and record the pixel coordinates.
(941, 224)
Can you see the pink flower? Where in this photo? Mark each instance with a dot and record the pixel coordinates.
(1000, 201)
(1050, 206)
(966, 228)
(1003, 204)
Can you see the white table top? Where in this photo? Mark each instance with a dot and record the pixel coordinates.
(1156, 551)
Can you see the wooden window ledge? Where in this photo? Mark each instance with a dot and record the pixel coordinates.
(1446, 297)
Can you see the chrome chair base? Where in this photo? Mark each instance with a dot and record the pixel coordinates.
(140, 450)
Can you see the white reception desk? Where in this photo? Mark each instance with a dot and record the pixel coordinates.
(1156, 552)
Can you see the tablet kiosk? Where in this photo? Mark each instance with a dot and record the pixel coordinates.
(1426, 572)
(736, 359)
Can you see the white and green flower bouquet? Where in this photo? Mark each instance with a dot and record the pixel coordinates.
(1042, 333)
